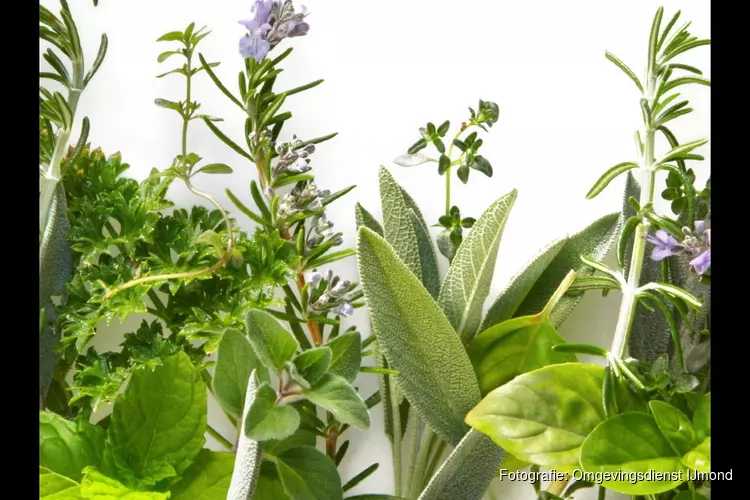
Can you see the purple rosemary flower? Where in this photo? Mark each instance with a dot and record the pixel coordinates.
(308, 198)
(254, 44)
(294, 157)
(665, 245)
(336, 296)
(702, 262)
(696, 245)
(272, 22)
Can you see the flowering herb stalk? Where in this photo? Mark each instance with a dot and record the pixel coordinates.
(314, 362)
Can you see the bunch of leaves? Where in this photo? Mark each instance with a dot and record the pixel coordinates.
(433, 333)
(486, 115)
(118, 233)
(315, 358)
(57, 114)
(150, 448)
(649, 413)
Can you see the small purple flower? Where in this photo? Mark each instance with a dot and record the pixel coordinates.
(344, 309)
(261, 11)
(272, 21)
(703, 261)
(335, 297)
(696, 245)
(665, 245)
(254, 46)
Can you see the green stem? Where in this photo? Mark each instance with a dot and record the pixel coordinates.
(413, 424)
(420, 468)
(558, 294)
(221, 439)
(186, 117)
(448, 188)
(396, 445)
(158, 304)
(448, 173)
(53, 173)
(628, 305)
(434, 462)
(602, 493)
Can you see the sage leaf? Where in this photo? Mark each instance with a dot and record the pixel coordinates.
(161, 418)
(632, 442)
(207, 478)
(66, 447)
(313, 363)
(55, 269)
(435, 373)
(699, 458)
(308, 474)
(412, 205)
(513, 347)
(674, 426)
(543, 417)
(336, 395)
(54, 486)
(272, 343)
(427, 257)
(266, 420)
(530, 289)
(346, 355)
(468, 280)
(235, 361)
(468, 471)
(397, 226)
(249, 457)
(366, 219)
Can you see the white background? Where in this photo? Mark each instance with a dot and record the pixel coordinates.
(566, 115)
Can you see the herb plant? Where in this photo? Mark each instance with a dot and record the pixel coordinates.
(510, 375)
(648, 409)
(257, 321)
(206, 288)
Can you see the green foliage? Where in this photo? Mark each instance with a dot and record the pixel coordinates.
(268, 420)
(109, 210)
(235, 362)
(529, 290)
(157, 425)
(642, 421)
(513, 347)
(632, 442)
(417, 339)
(66, 447)
(207, 478)
(467, 283)
(468, 471)
(543, 416)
